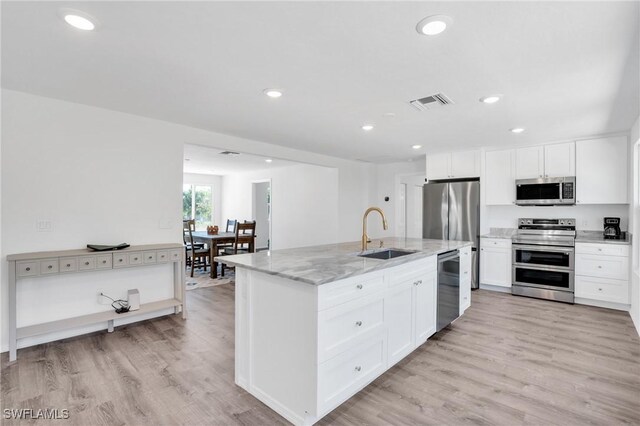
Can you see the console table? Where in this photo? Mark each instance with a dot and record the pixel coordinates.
(42, 264)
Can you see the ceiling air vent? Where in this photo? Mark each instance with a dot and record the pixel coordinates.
(229, 153)
(430, 102)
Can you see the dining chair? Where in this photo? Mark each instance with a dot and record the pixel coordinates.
(244, 242)
(231, 225)
(196, 254)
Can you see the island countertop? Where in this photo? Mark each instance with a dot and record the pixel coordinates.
(318, 265)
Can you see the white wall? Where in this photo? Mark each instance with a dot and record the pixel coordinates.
(106, 176)
(634, 214)
(304, 203)
(216, 183)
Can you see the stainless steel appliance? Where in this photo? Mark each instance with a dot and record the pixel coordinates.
(612, 228)
(448, 288)
(543, 259)
(546, 191)
(451, 211)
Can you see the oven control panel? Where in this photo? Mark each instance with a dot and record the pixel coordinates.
(548, 223)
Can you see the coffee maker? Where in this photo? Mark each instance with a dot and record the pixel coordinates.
(612, 228)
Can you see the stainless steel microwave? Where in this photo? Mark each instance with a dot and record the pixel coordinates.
(546, 191)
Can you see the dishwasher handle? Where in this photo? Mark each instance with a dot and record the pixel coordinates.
(443, 257)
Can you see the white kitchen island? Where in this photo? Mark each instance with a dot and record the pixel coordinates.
(315, 325)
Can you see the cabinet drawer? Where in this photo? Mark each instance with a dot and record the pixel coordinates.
(49, 266)
(175, 255)
(149, 257)
(68, 264)
(495, 242)
(87, 263)
(614, 267)
(411, 272)
(135, 258)
(348, 324)
(120, 260)
(27, 269)
(342, 376)
(162, 256)
(604, 289)
(343, 291)
(603, 249)
(104, 261)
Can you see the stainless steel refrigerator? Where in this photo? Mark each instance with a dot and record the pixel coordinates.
(451, 211)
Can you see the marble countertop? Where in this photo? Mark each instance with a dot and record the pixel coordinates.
(597, 237)
(506, 233)
(327, 263)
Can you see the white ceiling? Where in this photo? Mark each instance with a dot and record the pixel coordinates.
(566, 69)
(209, 161)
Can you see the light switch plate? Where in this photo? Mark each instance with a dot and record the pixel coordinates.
(44, 225)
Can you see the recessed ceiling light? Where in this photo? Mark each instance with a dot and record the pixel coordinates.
(491, 99)
(517, 130)
(79, 22)
(268, 160)
(273, 93)
(389, 114)
(367, 127)
(416, 146)
(433, 25)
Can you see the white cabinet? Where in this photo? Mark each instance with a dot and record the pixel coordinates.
(425, 291)
(542, 161)
(560, 160)
(465, 279)
(495, 262)
(454, 165)
(602, 274)
(601, 171)
(499, 184)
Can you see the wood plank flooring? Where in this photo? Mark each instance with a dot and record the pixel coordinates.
(507, 361)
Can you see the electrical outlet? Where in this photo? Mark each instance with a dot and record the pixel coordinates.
(585, 224)
(44, 225)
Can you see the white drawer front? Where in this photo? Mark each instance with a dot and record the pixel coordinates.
(342, 376)
(104, 261)
(27, 269)
(495, 242)
(135, 258)
(120, 260)
(343, 291)
(149, 257)
(604, 289)
(613, 267)
(465, 261)
(49, 266)
(175, 255)
(68, 264)
(401, 274)
(347, 324)
(87, 263)
(162, 256)
(604, 249)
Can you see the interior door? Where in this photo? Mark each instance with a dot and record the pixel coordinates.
(435, 211)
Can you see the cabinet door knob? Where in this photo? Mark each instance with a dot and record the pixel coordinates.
(50, 267)
(599, 288)
(359, 286)
(150, 257)
(104, 261)
(86, 263)
(599, 266)
(135, 258)
(359, 323)
(358, 368)
(68, 265)
(27, 269)
(119, 260)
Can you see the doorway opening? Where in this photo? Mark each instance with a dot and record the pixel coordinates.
(261, 207)
(410, 206)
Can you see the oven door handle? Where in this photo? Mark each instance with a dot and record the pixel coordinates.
(567, 250)
(535, 267)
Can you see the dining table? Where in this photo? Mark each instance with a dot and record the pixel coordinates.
(213, 240)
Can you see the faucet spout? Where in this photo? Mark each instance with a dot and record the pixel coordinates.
(365, 237)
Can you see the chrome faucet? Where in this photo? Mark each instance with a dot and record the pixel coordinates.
(365, 237)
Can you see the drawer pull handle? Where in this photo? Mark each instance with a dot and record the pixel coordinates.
(599, 288)
(417, 282)
(135, 258)
(86, 263)
(27, 269)
(119, 260)
(104, 261)
(150, 257)
(359, 286)
(359, 323)
(50, 267)
(599, 249)
(68, 265)
(599, 266)
(358, 368)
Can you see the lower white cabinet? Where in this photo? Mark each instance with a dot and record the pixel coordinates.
(495, 262)
(304, 349)
(602, 274)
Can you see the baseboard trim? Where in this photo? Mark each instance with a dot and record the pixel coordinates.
(602, 304)
(497, 288)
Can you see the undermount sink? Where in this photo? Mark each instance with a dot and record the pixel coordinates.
(386, 254)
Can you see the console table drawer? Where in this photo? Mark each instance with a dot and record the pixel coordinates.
(68, 264)
(175, 255)
(104, 261)
(135, 258)
(120, 260)
(27, 269)
(49, 266)
(87, 263)
(149, 257)
(162, 256)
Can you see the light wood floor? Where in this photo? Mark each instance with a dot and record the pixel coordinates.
(507, 361)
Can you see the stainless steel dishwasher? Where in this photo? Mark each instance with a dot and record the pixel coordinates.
(448, 288)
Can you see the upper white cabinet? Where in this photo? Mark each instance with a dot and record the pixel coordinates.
(499, 185)
(454, 165)
(546, 161)
(601, 171)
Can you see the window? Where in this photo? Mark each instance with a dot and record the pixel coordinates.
(197, 204)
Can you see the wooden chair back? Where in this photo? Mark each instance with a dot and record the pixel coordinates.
(245, 237)
(188, 227)
(231, 225)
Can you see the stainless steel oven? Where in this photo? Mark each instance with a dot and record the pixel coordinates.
(544, 258)
(546, 191)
